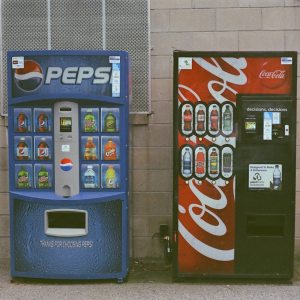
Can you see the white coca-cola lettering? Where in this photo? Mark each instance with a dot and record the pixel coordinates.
(237, 63)
(277, 74)
(206, 203)
(220, 229)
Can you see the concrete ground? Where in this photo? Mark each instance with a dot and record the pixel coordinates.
(147, 282)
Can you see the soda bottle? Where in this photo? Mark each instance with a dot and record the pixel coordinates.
(110, 178)
(43, 123)
(110, 123)
(200, 163)
(213, 161)
(201, 120)
(276, 178)
(214, 119)
(22, 122)
(187, 163)
(43, 178)
(43, 150)
(90, 178)
(227, 119)
(90, 150)
(227, 158)
(110, 151)
(90, 121)
(23, 179)
(22, 150)
(187, 119)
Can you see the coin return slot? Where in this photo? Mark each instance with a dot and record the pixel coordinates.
(66, 223)
(265, 225)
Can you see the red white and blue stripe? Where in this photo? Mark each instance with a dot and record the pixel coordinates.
(66, 164)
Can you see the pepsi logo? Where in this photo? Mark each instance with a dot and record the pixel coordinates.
(66, 164)
(30, 77)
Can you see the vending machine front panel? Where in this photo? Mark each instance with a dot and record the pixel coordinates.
(68, 149)
(228, 151)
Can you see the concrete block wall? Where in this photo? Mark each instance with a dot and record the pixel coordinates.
(4, 203)
(205, 25)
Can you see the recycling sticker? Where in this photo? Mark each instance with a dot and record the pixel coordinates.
(265, 176)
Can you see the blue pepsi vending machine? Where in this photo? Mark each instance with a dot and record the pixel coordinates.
(68, 163)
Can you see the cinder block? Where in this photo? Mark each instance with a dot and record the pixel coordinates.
(160, 20)
(162, 112)
(148, 247)
(214, 41)
(161, 67)
(161, 89)
(259, 3)
(297, 226)
(154, 203)
(297, 249)
(152, 158)
(3, 137)
(280, 18)
(3, 159)
(298, 135)
(4, 249)
(165, 43)
(297, 180)
(291, 3)
(147, 226)
(3, 181)
(261, 41)
(4, 204)
(202, 41)
(152, 180)
(298, 157)
(215, 3)
(238, 19)
(226, 41)
(192, 20)
(162, 4)
(297, 203)
(292, 39)
(152, 136)
(4, 226)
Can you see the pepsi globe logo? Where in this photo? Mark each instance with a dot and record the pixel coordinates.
(30, 77)
(66, 164)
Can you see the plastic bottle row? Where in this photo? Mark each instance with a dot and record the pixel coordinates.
(93, 176)
(40, 120)
(89, 149)
(201, 119)
(201, 162)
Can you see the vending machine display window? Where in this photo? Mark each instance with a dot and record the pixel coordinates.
(110, 119)
(65, 124)
(89, 119)
(42, 120)
(22, 120)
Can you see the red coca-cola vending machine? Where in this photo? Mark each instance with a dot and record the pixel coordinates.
(234, 164)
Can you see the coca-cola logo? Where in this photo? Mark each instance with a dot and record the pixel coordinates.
(221, 89)
(277, 74)
(273, 74)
